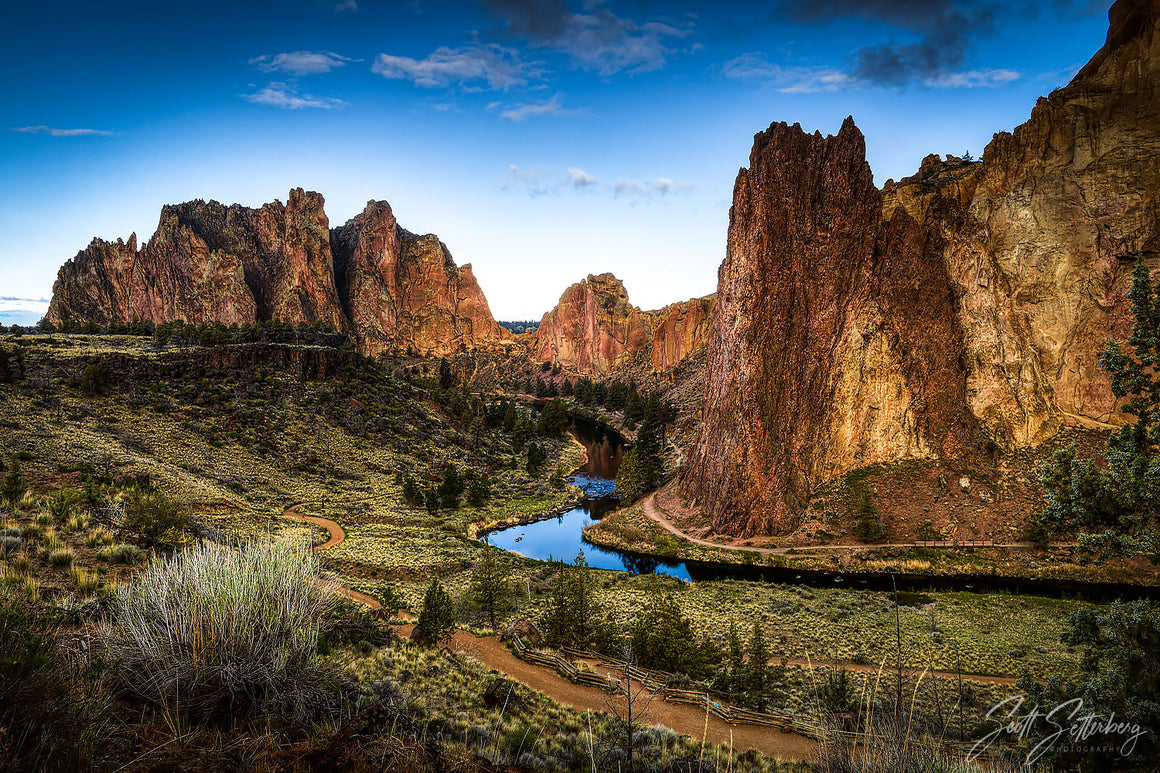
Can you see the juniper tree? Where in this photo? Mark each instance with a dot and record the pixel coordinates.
(490, 589)
(437, 617)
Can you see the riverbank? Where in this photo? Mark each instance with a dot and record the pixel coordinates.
(663, 526)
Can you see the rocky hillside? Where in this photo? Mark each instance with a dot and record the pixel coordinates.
(594, 328)
(207, 262)
(961, 308)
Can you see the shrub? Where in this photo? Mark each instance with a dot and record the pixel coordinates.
(99, 536)
(86, 580)
(214, 627)
(63, 503)
(63, 557)
(121, 554)
(158, 519)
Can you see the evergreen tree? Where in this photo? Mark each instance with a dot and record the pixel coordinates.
(14, 485)
(432, 501)
(447, 378)
(554, 419)
(663, 639)
(479, 491)
(567, 389)
(450, 488)
(541, 388)
(412, 494)
(568, 620)
(437, 617)
(869, 528)
(490, 589)
(510, 417)
(1117, 678)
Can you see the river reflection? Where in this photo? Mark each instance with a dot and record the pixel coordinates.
(562, 537)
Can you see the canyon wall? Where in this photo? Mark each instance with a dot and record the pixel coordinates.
(963, 307)
(593, 328)
(384, 286)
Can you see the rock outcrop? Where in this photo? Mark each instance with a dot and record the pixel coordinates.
(963, 306)
(402, 291)
(207, 262)
(834, 341)
(594, 328)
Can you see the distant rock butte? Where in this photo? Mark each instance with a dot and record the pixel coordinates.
(963, 306)
(207, 262)
(594, 328)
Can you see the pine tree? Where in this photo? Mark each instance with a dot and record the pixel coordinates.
(437, 617)
(450, 488)
(490, 590)
(14, 485)
(432, 501)
(479, 491)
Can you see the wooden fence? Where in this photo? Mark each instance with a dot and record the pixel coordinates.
(655, 681)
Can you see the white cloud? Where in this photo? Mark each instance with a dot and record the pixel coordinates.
(500, 68)
(524, 110)
(346, 5)
(789, 80)
(658, 187)
(809, 80)
(286, 96)
(579, 178)
(10, 303)
(54, 132)
(300, 62)
(972, 79)
(540, 180)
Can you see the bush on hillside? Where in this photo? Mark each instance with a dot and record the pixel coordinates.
(214, 627)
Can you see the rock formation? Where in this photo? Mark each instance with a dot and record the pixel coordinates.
(400, 290)
(208, 262)
(593, 328)
(964, 305)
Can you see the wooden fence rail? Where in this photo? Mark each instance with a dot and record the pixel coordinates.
(734, 715)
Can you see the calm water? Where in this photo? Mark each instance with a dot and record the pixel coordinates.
(562, 537)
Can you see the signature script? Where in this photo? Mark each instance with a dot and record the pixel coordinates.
(1066, 722)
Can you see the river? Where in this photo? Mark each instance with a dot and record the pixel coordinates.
(562, 537)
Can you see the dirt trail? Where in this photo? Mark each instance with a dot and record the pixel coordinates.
(687, 720)
(656, 514)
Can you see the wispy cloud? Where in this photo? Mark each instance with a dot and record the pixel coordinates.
(474, 66)
(808, 80)
(286, 97)
(524, 110)
(790, 80)
(657, 187)
(597, 40)
(300, 62)
(346, 5)
(54, 132)
(540, 180)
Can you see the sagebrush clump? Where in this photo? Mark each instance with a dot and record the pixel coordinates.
(215, 628)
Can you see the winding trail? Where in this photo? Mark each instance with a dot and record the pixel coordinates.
(656, 514)
(489, 650)
(687, 720)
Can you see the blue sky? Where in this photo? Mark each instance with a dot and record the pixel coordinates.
(541, 141)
